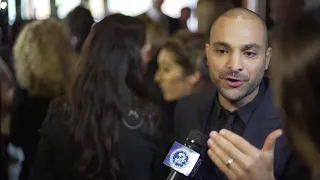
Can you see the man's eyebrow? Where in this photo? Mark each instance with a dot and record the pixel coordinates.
(244, 47)
(251, 46)
(221, 43)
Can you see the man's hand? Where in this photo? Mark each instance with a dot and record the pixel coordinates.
(238, 159)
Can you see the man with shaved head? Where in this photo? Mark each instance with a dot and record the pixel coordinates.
(238, 55)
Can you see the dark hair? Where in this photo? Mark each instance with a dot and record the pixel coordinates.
(295, 70)
(6, 82)
(6, 76)
(79, 21)
(186, 9)
(188, 49)
(108, 83)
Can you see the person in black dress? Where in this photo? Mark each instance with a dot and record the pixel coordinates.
(43, 60)
(106, 128)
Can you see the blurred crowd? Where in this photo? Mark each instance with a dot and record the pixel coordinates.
(86, 100)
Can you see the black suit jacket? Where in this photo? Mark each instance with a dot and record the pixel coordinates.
(193, 112)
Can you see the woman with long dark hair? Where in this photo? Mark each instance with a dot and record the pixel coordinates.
(107, 129)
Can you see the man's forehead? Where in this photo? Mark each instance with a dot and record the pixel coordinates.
(238, 31)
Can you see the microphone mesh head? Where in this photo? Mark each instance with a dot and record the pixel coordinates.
(198, 137)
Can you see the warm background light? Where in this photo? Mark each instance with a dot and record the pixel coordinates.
(3, 5)
(129, 7)
(40, 9)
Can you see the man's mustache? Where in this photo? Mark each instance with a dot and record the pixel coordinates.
(234, 75)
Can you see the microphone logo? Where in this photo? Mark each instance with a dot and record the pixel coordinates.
(179, 158)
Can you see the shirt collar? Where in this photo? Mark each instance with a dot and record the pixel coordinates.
(246, 111)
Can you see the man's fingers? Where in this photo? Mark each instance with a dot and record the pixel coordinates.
(224, 157)
(243, 145)
(231, 150)
(217, 161)
(271, 140)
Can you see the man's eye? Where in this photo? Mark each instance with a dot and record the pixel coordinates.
(250, 54)
(221, 51)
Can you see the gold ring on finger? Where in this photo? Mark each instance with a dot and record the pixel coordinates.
(230, 161)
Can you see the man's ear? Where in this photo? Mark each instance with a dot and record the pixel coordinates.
(268, 57)
(207, 50)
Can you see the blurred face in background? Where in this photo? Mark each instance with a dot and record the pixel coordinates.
(157, 4)
(237, 56)
(185, 14)
(172, 78)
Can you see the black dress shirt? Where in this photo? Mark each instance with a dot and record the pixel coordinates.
(236, 121)
(198, 110)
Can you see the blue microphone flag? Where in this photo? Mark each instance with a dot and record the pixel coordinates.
(181, 158)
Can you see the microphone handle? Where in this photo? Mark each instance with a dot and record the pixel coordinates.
(174, 175)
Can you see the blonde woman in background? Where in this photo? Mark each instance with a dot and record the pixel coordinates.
(44, 66)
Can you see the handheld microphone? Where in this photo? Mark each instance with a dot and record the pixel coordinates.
(184, 160)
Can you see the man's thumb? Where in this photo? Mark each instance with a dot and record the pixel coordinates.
(270, 142)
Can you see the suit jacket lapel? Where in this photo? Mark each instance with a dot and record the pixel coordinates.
(205, 110)
(263, 121)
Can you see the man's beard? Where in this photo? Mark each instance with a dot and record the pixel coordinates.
(243, 91)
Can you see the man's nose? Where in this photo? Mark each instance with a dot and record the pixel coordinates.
(235, 62)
